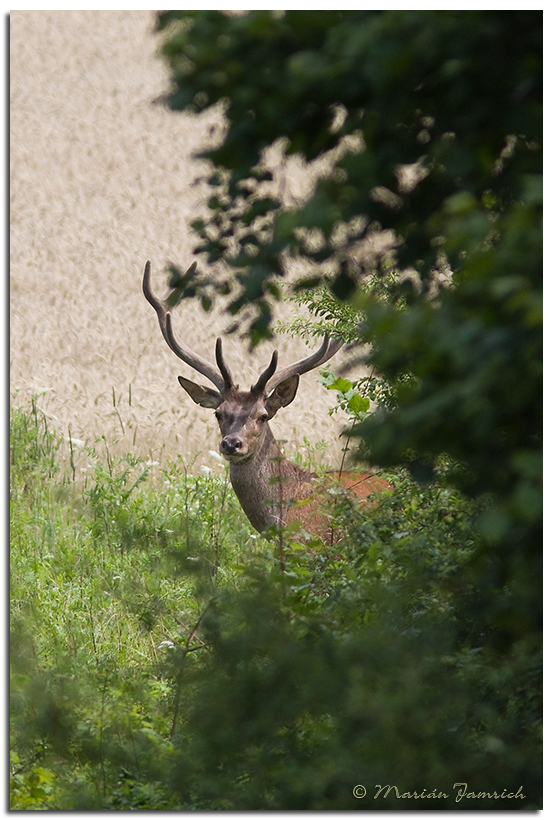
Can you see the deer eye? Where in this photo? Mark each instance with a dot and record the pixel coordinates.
(264, 417)
(217, 414)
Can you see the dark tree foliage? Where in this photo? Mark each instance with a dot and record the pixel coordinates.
(447, 89)
(456, 97)
(458, 93)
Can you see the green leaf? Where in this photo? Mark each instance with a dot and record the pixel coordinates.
(343, 385)
(358, 404)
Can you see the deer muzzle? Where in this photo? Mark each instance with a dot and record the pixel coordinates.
(233, 448)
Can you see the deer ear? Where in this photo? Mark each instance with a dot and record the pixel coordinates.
(204, 396)
(283, 394)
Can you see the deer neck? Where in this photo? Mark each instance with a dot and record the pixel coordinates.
(266, 483)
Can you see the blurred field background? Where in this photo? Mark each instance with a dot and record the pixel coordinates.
(102, 180)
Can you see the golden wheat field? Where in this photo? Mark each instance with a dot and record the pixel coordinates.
(102, 179)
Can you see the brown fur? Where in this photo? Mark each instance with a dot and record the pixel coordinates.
(325, 491)
(272, 490)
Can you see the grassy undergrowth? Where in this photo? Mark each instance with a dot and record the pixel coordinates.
(109, 578)
(164, 657)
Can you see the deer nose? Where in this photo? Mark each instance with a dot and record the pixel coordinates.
(231, 445)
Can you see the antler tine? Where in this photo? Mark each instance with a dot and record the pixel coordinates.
(261, 383)
(163, 311)
(325, 352)
(225, 372)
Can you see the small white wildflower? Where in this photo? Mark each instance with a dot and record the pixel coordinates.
(152, 463)
(205, 469)
(75, 442)
(116, 577)
(215, 455)
(166, 644)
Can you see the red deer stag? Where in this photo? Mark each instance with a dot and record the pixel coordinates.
(266, 483)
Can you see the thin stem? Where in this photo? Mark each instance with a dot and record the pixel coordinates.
(187, 649)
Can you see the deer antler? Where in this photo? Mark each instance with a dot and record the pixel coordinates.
(223, 380)
(325, 352)
(225, 372)
(259, 386)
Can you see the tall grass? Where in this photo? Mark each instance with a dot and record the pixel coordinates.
(110, 572)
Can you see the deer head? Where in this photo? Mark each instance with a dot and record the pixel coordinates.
(243, 416)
